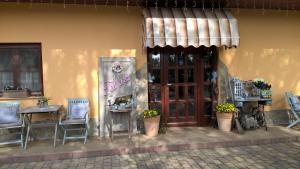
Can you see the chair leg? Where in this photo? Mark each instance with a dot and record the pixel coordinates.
(129, 127)
(22, 137)
(86, 134)
(111, 128)
(293, 124)
(27, 135)
(55, 135)
(65, 133)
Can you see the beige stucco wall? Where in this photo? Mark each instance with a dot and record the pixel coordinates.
(269, 49)
(73, 38)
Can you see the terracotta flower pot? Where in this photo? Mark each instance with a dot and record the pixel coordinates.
(152, 126)
(224, 121)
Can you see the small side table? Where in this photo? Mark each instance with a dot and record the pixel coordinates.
(111, 120)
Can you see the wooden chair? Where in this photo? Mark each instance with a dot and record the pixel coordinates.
(10, 118)
(294, 104)
(77, 119)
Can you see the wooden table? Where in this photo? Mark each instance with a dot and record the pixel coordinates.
(261, 102)
(111, 120)
(53, 110)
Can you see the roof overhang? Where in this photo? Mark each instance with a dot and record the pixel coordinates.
(250, 4)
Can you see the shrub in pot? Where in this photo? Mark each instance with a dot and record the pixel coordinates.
(264, 87)
(43, 102)
(151, 122)
(224, 115)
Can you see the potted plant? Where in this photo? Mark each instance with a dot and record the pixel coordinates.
(11, 91)
(265, 88)
(43, 102)
(224, 112)
(151, 122)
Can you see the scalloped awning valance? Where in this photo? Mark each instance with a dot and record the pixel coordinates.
(189, 27)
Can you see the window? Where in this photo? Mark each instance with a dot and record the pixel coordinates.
(21, 67)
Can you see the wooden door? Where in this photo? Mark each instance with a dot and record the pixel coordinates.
(181, 87)
(176, 85)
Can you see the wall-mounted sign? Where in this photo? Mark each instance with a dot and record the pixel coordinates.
(116, 83)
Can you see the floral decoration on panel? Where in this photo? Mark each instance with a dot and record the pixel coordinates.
(117, 67)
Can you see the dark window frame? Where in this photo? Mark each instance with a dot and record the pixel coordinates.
(24, 46)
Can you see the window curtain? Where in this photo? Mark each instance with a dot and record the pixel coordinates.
(6, 78)
(6, 75)
(29, 62)
(30, 80)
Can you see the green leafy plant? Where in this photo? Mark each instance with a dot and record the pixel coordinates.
(43, 101)
(266, 93)
(225, 108)
(162, 126)
(150, 113)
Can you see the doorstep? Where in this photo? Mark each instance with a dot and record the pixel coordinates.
(176, 139)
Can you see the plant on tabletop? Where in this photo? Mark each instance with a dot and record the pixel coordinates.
(264, 87)
(43, 101)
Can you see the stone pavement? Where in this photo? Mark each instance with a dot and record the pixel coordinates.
(176, 139)
(282, 155)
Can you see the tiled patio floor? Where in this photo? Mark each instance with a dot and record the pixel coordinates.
(183, 138)
(269, 156)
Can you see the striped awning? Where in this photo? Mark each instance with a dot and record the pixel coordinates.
(189, 27)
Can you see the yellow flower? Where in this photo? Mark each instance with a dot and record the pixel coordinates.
(225, 108)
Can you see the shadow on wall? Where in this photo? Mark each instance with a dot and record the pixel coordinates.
(279, 67)
(269, 49)
(69, 73)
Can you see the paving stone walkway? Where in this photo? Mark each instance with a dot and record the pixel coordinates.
(284, 155)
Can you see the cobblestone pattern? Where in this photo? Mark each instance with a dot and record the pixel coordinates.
(284, 155)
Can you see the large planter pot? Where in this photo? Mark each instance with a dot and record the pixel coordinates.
(152, 126)
(224, 121)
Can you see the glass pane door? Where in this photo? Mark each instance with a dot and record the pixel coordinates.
(181, 87)
(155, 80)
(179, 84)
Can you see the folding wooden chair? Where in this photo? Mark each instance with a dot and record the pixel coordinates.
(77, 119)
(10, 118)
(294, 104)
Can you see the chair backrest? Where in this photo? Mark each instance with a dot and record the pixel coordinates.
(293, 102)
(78, 108)
(288, 98)
(9, 112)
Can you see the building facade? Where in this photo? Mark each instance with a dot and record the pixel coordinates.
(72, 38)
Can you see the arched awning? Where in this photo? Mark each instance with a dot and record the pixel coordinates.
(189, 27)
